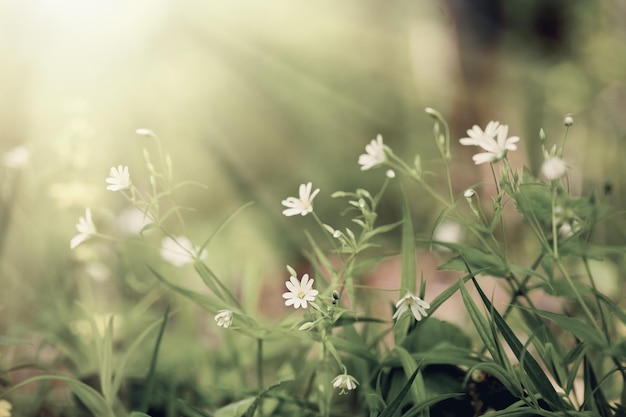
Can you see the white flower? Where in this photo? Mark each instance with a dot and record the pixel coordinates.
(469, 193)
(448, 231)
(86, 228)
(417, 306)
(302, 205)
(568, 120)
(496, 147)
(119, 179)
(390, 173)
(180, 251)
(132, 221)
(224, 318)
(553, 168)
(345, 383)
(375, 154)
(16, 157)
(566, 221)
(299, 291)
(5, 408)
(478, 136)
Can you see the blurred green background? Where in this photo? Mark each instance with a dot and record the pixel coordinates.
(253, 98)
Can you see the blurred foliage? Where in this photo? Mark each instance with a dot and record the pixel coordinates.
(254, 98)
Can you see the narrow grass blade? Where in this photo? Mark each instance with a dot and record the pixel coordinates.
(214, 283)
(223, 224)
(203, 301)
(409, 365)
(356, 349)
(577, 327)
(153, 362)
(250, 411)
(480, 323)
(395, 404)
(536, 375)
(427, 404)
(594, 397)
(120, 374)
(409, 268)
(106, 363)
(91, 398)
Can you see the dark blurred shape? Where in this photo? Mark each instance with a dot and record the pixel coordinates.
(479, 25)
(536, 28)
(549, 26)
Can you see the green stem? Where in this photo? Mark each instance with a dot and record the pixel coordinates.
(400, 165)
(259, 363)
(577, 294)
(555, 238)
(521, 288)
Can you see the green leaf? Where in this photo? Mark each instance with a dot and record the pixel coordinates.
(536, 375)
(582, 248)
(202, 300)
(502, 375)
(410, 366)
(616, 310)
(434, 333)
(397, 401)
(106, 363)
(237, 409)
(215, 285)
(575, 358)
(477, 260)
(118, 378)
(153, 361)
(575, 326)
(383, 229)
(427, 404)
(480, 323)
(619, 350)
(252, 408)
(91, 398)
(445, 295)
(409, 268)
(356, 349)
(138, 414)
(223, 224)
(594, 397)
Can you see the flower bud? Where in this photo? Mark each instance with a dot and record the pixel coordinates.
(145, 132)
